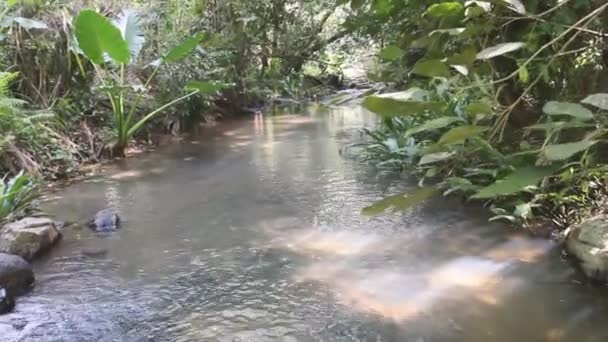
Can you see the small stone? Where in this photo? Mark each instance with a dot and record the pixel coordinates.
(588, 242)
(29, 237)
(16, 274)
(106, 220)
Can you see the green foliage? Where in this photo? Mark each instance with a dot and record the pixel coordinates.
(122, 41)
(97, 35)
(500, 121)
(16, 196)
(514, 183)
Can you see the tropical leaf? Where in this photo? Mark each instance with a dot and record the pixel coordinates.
(597, 100)
(466, 57)
(515, 182)
(565, 151)
(435, 157)
(559, 125)
(96, 35)
(566, 108)
(433, 124)
(132, 33)
(499, 50)
(431, 68)
(391, 53)
(446, 9)
(183, 50)
(387, 105)
(401, 202)
(461, 133)
(480, 107)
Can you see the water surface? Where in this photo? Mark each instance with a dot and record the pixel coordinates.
(251, 232)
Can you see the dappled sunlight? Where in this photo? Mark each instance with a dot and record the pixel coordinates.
(332, 243)
(400, 295)
(290, 120)
(521, 249)
(131, 174)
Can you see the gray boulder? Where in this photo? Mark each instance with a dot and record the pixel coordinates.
(588, 242)
(7, 303)
(106, 220)
(28, 237)
(16, 275)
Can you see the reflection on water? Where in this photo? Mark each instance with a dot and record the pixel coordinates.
(251, 232)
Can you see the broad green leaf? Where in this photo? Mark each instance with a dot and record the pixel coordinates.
(461, 133)
(431, 68)
(96, 35)
(433, 124)
(184, 49)
(391, 53)
(499, 50)
(565, 151)
(382, 6)
(398, 104)
(205, 87)
(566, 108)
(515, 182)
(466, 57)
(390, 107)
(400, 202)
(435, 157)
(559, 125)
(446, 9)
(597, 100)
(132, 33)
(480, 107)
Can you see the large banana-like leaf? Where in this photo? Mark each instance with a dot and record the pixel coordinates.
(97, 36)
(183, 50)
(565, 151)
(396, 104)
(515, 182)
(132, 33)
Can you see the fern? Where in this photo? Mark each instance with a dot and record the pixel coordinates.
(6, 79)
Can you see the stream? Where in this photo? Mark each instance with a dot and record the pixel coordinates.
(251, 231)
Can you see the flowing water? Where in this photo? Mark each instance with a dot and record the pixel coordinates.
(251, 232)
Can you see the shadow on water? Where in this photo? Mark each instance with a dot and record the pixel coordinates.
(251, 231)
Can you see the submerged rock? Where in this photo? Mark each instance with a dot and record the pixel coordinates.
(16, 274)
(106, 220)
(589, 243)
(28, 237)
(7, 302)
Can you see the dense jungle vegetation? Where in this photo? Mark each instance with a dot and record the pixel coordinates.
(503, 102)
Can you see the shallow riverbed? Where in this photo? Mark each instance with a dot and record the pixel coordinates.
(251, 232)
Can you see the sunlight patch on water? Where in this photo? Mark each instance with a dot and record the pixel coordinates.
(403, 294)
